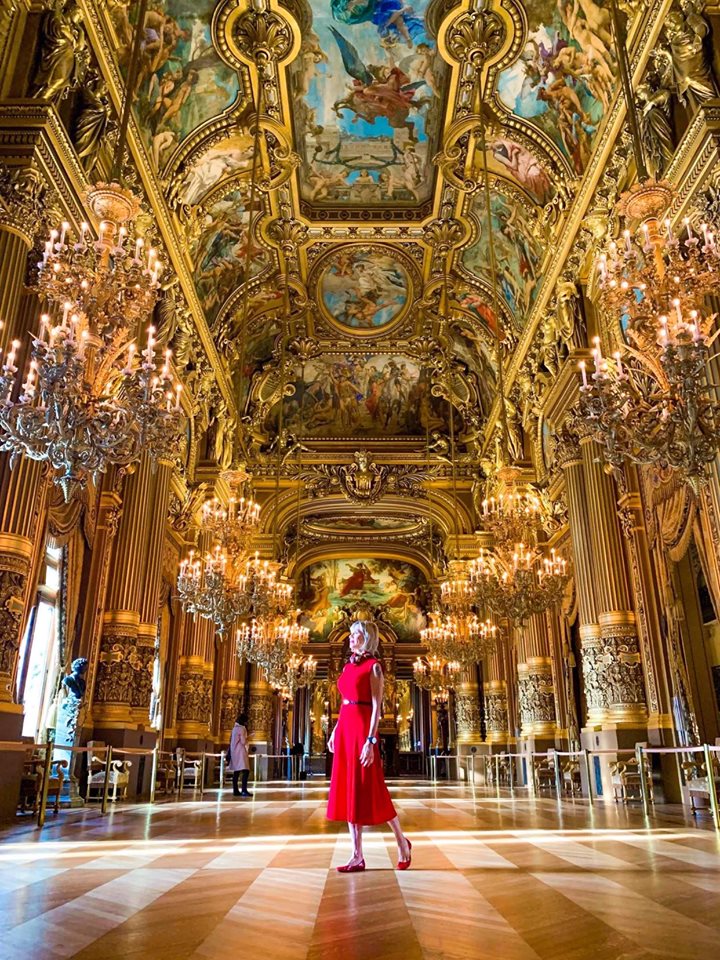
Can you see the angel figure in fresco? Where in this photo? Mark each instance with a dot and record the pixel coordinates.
(392, 18)
(377, 91)
(360, 576)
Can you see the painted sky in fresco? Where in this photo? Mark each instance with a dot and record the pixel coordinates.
(399, 589)
(363, 289)
(564, 77)
(367, 111)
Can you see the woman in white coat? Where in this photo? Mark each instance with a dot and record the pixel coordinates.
(239, 759)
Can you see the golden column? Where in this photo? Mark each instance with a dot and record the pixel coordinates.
(233, 673)
(571, 460)
(150, 594)
(536, 686)
(194, 696)
(612, 668)
(21, 192)
(497, 723)
(261, 711)
(468, 714)
(123, 687)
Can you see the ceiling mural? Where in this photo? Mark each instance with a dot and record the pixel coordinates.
(182, 82)
(380, 396)
(399, 591)
(368, 96)
(363, 289)
(513, 160)
(519, 251)
(229, 157)
(360, 525)
(564, 79)
(220, 251)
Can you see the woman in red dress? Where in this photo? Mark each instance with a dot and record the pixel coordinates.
(358, 792)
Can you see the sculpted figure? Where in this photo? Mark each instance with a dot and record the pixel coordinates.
(63, 52)
(94, 121)
(687, 32)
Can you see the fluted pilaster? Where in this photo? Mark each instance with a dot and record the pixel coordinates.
(262, 710)
(497, 722)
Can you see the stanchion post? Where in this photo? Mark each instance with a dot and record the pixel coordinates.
(222, 770)
(640, 757)
(497, 773)
(558, 774)
(511, 773)
(433, 767)
(255, 760)
(588, 774)
(153, 776)
(202, 774)
(531, 773)
(712, 789)
(47, 766)
(106, 781)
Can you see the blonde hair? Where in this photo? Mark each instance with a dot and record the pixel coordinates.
(371, 637)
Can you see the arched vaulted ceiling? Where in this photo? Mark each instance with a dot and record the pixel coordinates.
(364, 237)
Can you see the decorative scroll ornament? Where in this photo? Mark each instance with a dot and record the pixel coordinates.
(364, 481)
(21, 200)
(476, 37)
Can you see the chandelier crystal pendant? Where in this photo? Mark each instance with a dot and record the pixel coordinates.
(269, 594)
(456, 591)
(207, 588)
(89, 400)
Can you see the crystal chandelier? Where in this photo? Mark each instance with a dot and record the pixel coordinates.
(269, 595)
(466, 640)
(206, 588)
(235, 525)
(456, 591)
(90, 400)
(651, 402)
(512, 514)
(515, 583)
(436, 675)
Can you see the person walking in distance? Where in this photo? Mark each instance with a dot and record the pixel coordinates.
(239, 759)
(358, 793)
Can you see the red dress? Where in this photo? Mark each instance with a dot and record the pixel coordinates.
(357, 794)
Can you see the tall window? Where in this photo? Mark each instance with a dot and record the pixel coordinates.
(39, 654)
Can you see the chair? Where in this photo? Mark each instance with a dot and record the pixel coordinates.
(696, 779)
(31, 783)
(191, 774)
(166, 775)
(625, 779)
(119, 778)
(571, 780)
(544, 769)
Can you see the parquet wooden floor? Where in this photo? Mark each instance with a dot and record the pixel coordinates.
(221, 879)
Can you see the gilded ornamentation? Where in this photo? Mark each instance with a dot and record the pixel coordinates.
(125, 671)
(687, 31)
(496, 714)
(64, 52)
(468, 716)
(536, 694)
(194, 703)
(94, 122)
(260, 716)
(364, 481)
(612, 672)
(476, 37)
(13, 577)
(22, 193)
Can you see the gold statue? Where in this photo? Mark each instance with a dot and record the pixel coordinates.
(64, 53)
(687, 32)
(94, 121)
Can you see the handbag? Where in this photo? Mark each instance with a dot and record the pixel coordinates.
(228, 756)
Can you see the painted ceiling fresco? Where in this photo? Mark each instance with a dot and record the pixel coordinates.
(518, 251)
(361, 396)
(367, 91)
(398, 590)
(563, 81)
(182, 82)
(362, 289)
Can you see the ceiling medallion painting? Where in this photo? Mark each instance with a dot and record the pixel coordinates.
(363, 289)
(396, 590)
(563, 81)
(329, 526)
(367, 90)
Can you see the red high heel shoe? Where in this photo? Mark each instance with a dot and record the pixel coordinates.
(405, 864)
(352, 867)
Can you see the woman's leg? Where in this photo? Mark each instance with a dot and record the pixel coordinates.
(245, 776)
(401, 839)
(236, 777)
(356, 832)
